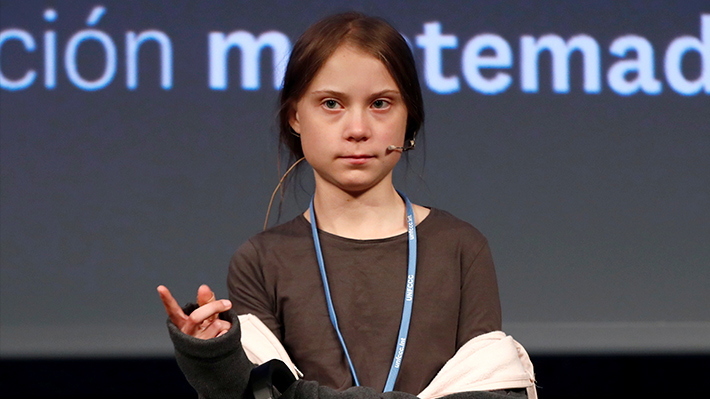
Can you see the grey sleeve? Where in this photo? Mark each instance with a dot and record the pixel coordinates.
(480, 304)
(247, 287)
(218, 367)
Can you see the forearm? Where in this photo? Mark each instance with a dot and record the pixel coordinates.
(216, 368)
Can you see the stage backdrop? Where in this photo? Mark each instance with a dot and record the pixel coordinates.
(138, 147)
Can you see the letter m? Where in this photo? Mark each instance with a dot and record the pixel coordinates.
(251, 47)
(560, 52)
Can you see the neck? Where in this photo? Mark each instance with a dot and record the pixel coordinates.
(377, 213)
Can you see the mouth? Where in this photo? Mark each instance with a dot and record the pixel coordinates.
(358, 156)
(357, 159)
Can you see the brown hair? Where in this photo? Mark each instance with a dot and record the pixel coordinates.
(369, 34)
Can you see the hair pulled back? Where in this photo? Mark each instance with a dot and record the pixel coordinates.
(373, 36)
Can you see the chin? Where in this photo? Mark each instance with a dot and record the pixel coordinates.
(357, 187)
(356, 182)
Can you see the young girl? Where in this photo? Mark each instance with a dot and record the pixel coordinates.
(363, 288)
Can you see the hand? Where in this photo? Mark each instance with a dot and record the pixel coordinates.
(203, 322)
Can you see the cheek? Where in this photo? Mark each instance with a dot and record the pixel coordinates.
(310, 143)
(399, 127)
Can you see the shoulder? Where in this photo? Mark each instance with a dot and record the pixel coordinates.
(278, 239)
(279, 235)
(443, 232)
(446, 225)
(265, 254)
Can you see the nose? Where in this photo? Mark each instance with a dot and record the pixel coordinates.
(358, 126)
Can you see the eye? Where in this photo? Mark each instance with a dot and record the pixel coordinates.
(380, 104)
(330, 104)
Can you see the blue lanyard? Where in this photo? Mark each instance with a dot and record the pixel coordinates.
(408, 296)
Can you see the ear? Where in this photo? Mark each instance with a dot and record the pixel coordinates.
(294, 122)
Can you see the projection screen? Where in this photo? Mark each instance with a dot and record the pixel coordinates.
(138, 147)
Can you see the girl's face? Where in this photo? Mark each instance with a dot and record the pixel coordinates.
(351, 112)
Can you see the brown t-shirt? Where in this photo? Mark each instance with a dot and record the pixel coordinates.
(275, 276)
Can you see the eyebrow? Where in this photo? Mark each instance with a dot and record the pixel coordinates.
(336, 93)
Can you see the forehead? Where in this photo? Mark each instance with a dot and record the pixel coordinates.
(350, 68)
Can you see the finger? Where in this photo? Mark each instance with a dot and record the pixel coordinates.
(194, 322)
(204, 295)
(177, 316)
(215, 329)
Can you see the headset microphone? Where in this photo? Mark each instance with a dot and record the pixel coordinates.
(408, 145)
